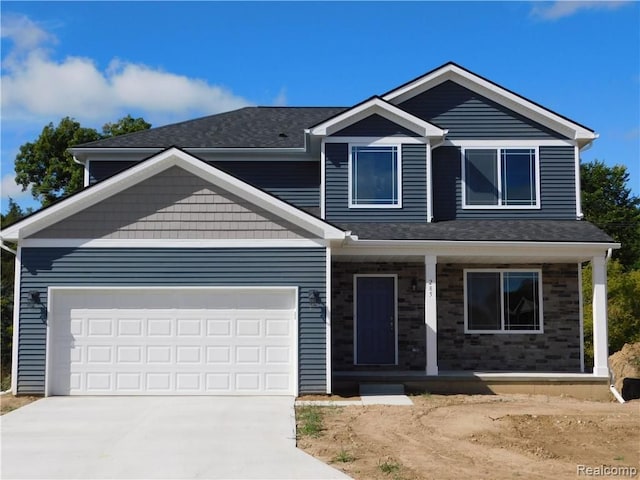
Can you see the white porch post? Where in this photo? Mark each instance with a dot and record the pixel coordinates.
(600, 334)
(431, 314)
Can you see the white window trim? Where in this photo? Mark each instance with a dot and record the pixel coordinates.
(498, 148)
(355, 315)
(398, 146)
(502, 330)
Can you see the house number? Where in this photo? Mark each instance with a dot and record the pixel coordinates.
(430, 288)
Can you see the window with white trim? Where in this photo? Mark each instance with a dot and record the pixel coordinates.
(500, 178)
(375, 176)
(503, 301)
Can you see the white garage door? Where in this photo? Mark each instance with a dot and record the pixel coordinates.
(216, 341)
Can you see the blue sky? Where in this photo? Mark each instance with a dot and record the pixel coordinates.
(171, 61)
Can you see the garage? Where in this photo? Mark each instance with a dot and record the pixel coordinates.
(172, 341)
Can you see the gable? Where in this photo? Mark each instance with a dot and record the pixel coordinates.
(375, 126)
(173, 204)
(469, 115)
(145, 170)
(496, 93)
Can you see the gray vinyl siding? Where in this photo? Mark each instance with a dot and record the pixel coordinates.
(414, 188)
(557, 187)
(468, 115)
(296, 182)
(375, 126)
(173, 204)
(46, 267)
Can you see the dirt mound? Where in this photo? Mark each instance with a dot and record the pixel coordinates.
(625, 363)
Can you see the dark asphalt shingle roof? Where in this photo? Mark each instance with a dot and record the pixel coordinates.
(249, 127)
(482, 230)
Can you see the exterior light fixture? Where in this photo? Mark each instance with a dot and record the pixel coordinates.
(314, 298)
(34, 297)
(414, 285)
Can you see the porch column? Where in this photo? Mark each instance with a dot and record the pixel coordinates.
(431, 314)
(600, 334)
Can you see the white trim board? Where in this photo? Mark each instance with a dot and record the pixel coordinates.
(169, 243)
(17, 291)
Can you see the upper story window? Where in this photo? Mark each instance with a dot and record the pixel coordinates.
(375, 176)
(500, 178)
(503, 301)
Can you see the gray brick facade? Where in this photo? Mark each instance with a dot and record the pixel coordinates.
(411, 329)
(555, 350)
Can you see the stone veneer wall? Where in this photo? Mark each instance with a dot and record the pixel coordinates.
(555, 350)
(411, 329)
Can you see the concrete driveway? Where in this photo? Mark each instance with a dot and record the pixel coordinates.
(156, 437)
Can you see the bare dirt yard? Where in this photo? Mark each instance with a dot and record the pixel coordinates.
(483, 436)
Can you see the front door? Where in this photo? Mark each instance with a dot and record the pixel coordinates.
(375, 320)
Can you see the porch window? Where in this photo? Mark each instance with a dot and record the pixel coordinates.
(374, 176)
(500, 178)
(503, 301)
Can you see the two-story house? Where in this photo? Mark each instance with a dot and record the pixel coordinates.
(425, 236)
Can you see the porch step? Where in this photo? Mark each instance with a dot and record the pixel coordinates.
(381, 389)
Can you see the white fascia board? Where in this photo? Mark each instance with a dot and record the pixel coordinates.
(81, 154)
(384, 109)
(492, 92)
(161, 162)
(170, 243)
(471, 248)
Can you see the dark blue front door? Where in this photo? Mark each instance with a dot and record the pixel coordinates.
(375, 320)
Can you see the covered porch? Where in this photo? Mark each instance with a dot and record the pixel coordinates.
(434, 345)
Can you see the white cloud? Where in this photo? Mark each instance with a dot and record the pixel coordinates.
(9, 188)
(281, 98)
(35, 86)
(566, 8)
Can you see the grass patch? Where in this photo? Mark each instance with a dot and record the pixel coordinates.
(5, 383)
(309, 421)
(344, 457)
(389, 466)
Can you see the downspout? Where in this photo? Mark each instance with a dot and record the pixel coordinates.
(15, 254)
(612, 386)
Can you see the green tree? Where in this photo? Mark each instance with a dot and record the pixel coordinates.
(623, 288)
(607, 202)
(125, 125)
(48, 168)
(13, 214)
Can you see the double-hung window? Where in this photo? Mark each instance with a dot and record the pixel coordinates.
(375, 176)
(503, 301)
(501, 178)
